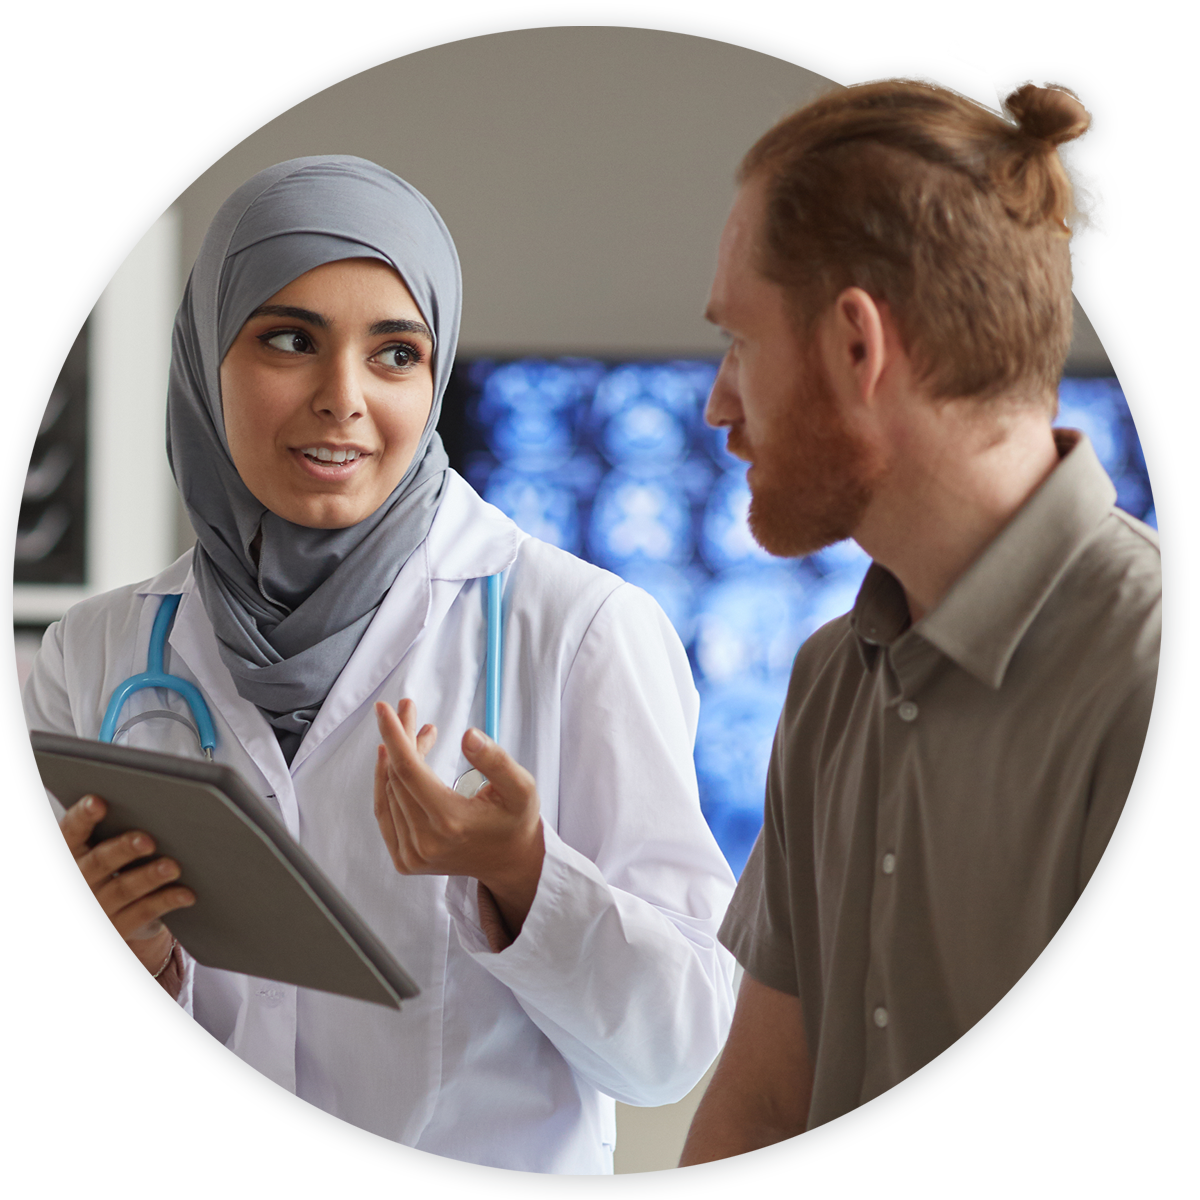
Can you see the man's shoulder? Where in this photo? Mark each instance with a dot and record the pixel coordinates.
(823, 661)
(1146, 537)
(1096, 639)
(1115, 584)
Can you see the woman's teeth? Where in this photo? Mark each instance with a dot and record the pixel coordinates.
(324, 454)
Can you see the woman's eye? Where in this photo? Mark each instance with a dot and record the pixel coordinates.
(399, 357)
(291, 341)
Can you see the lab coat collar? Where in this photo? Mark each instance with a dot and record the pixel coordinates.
(468, 539)
(193, 639)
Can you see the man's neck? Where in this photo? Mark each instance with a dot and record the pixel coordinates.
(957, 476)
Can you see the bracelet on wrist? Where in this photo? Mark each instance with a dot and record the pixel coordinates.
(170, 956)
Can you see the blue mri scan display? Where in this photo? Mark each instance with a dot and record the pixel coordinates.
(613, 462)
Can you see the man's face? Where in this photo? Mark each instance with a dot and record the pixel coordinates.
(810, 476)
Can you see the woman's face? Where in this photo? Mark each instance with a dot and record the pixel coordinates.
(326, 391)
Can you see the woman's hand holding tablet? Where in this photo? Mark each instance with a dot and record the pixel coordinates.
(494, 836)
(134, 898)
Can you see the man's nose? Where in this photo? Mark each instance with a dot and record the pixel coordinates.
(724, 405)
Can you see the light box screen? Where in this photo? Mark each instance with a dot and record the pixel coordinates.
(613, 462)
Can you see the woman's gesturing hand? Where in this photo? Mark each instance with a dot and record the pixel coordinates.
(134, 899)
(494, 836)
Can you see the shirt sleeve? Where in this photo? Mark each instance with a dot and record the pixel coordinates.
(758, 926)
(618, 961)
(1116, 764)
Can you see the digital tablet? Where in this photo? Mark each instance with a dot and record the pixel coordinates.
(263, 907)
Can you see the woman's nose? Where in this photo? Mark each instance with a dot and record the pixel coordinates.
(340, 394)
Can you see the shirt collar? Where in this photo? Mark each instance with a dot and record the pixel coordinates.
(983, 617)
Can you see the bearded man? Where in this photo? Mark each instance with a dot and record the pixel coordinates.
(894, 280)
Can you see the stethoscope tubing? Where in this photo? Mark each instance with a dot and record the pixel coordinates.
(156, 677)
(495, 652)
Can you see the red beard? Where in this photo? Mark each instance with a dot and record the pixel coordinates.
(810, 486)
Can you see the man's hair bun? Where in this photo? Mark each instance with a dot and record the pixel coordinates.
(1050, 114)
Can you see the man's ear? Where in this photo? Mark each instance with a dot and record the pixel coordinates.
(856, 345)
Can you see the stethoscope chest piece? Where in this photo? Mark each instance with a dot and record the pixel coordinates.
(469, 782)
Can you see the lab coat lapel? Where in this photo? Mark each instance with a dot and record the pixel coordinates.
(394, 629)
(194, 640)
(467, 540)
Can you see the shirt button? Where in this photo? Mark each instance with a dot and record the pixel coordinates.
(907, 711)
(880, 1016)
(888, 864)
(271, 997)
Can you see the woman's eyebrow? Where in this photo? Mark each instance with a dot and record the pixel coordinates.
(288, 310)
(390, 325)
(401, 325)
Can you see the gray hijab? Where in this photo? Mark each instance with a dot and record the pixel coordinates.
(288, 621)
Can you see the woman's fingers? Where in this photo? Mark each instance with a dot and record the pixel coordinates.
(406, 710)
(384, 817)
(135, 900)
(416, 782)
(79, 821)
(141, 920)
(510, 782)
(409, 820)
(400, 743)
(103, 861)
(395, 823)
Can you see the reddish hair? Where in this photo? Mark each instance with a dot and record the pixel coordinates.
(957, 219)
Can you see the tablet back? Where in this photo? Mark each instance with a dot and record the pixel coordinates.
(263, 907)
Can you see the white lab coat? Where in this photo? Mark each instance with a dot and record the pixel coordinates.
(616, 986)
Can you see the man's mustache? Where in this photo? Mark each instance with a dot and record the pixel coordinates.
(736, 446)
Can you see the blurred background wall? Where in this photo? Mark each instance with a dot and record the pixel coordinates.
(585, 174)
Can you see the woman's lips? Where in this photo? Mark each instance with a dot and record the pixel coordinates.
(327, 468)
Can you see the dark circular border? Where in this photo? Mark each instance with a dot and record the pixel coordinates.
(970, 1050)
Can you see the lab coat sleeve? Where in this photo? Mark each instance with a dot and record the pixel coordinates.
(618, 962)
(47, 701)
(46, 697)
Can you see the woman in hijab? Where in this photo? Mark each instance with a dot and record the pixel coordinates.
(561, 923)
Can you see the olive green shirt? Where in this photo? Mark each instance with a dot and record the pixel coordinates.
(940, 793)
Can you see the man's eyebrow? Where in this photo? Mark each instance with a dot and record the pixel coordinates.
(391, 325)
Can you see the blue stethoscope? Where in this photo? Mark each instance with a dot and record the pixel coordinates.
(155, 676)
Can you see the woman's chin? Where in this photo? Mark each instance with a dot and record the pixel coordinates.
(324, 512)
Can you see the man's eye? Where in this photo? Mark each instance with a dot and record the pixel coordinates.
(290, 340)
